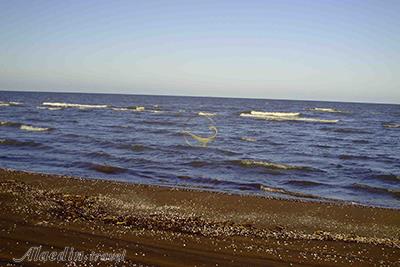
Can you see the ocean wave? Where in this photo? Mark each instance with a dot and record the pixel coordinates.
(49, 108)
(120, 109)
(108, 169)
(200, 148)
(391, 125)
(322, 146)
(388, 177)
(157, 122)
(214, 182)
(360, 141)
(156, 111)
(100, 154)
(269, 114)
(139, 148)
(316, 120)
(33, 128)
(9, 103)
(131, 108)
(283, 116)
(198, 163)
(271, 165)
(248, 139)
(304, 183)
(71, 105)
(10, 124)
(375, 190)
(136, 108)
(24, 127)
(355, 157)
(246, 186)
(329, 110)
(13, 142)
(346, 130)
(208, 114)
(286, 192)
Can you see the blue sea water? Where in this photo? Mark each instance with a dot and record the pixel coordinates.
(310, 150)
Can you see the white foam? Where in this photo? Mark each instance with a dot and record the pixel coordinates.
(10, 103)
(275, 114)
(272, 189)
(208, 114)
(392, 125)
(70, 105)
(139, 109)
(269, 164)
(248, 139)
(135, 108)
(49, 108)
(283, 116)
(330, 110)
(33, 129)
(120, 109)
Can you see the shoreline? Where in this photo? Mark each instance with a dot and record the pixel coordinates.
(186, 227)
(289, 198)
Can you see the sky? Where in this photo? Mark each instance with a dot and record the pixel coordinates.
(314, 50)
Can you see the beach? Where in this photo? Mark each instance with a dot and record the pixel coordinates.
(167, 226)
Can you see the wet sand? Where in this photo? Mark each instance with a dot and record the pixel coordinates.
(162, 226)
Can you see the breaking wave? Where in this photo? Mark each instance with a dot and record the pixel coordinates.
(10, 124)
(286, 192)
(283, 116)
(217, 182)
(132, 108)
(329, 110)
(270, 114)
(271, 165)
(24, 127)
(9, 103)
(391, 125)
(33, 128)
(71, 105)
(212, 182)
(136, 108)
(50, 108)
(248, 139)
(208, 114)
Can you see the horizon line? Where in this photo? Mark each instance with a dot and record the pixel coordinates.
(200, 96)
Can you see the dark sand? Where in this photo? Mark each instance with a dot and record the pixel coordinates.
(161, 226)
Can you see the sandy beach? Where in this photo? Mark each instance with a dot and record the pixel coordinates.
(161, 226)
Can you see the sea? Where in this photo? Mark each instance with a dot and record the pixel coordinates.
(304, 150)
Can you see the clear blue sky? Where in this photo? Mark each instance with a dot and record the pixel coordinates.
(322, 50)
